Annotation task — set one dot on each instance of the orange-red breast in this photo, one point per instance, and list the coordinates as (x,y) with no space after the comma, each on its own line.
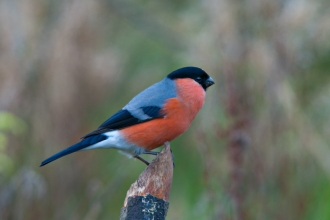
(158,114)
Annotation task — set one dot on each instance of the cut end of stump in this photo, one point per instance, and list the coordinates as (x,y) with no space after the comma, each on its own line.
(156,179)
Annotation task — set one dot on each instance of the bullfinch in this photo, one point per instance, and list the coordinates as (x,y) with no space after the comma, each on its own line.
(158,114)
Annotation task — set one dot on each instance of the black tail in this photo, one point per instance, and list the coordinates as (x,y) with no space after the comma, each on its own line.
(76,147)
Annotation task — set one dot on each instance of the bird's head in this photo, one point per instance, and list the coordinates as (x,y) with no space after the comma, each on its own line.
(195,73)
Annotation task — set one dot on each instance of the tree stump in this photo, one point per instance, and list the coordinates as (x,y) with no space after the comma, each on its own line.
(148,196)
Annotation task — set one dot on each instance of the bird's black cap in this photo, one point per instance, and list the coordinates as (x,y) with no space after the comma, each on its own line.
(194,73)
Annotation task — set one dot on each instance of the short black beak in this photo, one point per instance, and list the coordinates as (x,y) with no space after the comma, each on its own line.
(209,82)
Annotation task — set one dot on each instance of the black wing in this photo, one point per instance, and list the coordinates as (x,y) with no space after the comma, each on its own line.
(123,118)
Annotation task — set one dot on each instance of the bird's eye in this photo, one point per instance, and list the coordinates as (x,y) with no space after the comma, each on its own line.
(198,78)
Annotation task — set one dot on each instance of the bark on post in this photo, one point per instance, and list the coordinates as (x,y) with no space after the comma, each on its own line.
(148,196)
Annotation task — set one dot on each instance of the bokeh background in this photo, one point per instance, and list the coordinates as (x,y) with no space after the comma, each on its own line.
(259,149)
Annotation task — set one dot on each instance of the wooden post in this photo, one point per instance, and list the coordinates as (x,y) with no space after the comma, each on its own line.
(148,196)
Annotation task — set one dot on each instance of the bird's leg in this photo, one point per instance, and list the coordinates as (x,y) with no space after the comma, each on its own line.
(141,159)
(155,154)
(151,153)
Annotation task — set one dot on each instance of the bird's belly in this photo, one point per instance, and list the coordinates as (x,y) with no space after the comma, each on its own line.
(152,134)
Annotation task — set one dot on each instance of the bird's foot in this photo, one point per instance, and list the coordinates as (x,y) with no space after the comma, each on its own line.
(173,158)
(151,153)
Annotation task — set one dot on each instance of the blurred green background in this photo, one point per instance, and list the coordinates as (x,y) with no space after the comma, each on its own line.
(259,149)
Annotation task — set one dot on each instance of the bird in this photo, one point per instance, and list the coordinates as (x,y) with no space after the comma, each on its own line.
(158,114)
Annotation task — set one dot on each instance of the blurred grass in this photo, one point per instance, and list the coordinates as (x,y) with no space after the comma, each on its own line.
(8,124)
(258,149)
